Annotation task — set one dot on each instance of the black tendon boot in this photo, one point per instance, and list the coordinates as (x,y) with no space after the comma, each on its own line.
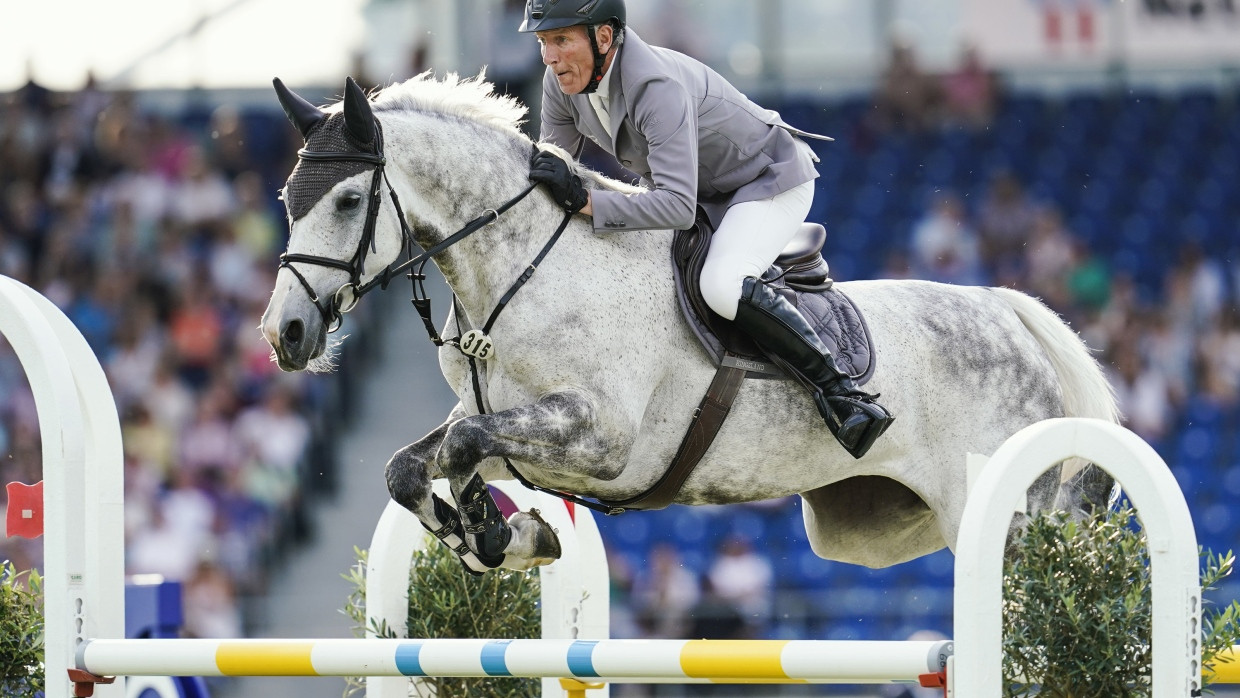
(483,520)
(853,416)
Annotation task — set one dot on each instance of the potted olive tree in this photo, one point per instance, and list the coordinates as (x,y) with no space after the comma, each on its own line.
(1077,608)
(444,601)
(21,631)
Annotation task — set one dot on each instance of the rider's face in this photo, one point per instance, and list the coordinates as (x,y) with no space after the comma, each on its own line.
(567,52)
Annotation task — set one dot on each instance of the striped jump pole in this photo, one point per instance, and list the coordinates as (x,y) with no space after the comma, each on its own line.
(612,661)
(620,661)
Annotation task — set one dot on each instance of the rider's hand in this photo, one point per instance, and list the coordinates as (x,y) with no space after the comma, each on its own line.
(565,187)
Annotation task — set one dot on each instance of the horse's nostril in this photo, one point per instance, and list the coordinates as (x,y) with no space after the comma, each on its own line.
(293,332)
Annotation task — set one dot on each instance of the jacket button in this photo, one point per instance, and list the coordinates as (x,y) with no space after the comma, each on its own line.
(626,163)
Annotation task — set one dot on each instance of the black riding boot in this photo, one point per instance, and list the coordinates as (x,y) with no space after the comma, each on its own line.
(778,327)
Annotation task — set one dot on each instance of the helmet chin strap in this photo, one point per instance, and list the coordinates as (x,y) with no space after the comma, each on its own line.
(596,78)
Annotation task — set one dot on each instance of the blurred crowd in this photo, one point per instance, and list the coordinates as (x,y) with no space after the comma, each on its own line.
(908,98)
(1164,353)
(159,241)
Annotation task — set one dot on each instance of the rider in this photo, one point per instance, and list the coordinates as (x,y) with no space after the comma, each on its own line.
(701,143)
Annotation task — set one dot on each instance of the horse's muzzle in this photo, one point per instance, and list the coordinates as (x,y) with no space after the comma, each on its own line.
(295,342)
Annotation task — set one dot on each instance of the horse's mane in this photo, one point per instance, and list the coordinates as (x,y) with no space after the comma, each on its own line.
(470,98)
(593,179)
(474,98)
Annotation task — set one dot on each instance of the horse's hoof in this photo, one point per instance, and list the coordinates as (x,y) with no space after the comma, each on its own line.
(537,542)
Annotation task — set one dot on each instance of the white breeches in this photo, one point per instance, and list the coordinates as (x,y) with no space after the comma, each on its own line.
(750,237)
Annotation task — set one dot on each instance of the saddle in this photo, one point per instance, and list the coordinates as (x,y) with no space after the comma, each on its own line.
(800,274)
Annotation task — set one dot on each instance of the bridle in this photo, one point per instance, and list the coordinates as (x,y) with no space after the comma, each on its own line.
(347,296)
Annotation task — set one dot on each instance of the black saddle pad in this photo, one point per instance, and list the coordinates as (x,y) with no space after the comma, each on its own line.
(832,314)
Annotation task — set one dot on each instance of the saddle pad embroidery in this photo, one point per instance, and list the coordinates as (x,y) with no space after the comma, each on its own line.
(841,326)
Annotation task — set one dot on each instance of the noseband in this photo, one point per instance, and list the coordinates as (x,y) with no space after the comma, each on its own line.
(347,296)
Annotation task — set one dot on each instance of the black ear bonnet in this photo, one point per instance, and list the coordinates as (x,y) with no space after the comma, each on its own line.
(351,130)
(311,179)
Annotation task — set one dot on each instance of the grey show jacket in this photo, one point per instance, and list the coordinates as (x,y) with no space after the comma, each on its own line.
(687,131)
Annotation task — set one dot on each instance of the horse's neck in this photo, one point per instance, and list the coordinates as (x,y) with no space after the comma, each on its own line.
(454,173)
(456,177)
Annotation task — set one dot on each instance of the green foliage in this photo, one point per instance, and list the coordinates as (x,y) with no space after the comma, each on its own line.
(445,601)
(21,631)
(1077,609)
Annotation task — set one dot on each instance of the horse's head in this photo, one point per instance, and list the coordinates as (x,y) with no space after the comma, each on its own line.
(339,236)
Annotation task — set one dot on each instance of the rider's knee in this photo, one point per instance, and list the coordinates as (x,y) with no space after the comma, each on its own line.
(721,289)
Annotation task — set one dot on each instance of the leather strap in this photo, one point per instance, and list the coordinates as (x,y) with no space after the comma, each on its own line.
(707,419)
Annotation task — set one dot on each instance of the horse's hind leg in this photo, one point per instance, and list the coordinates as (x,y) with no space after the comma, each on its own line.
(409,484)
(558,430)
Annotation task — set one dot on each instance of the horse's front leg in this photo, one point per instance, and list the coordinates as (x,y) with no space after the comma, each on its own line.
(558,431)
(409,473)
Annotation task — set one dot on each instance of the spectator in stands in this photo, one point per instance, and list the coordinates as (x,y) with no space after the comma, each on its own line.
(717,618)
(907,98)
(970,93)
(944,244)
(171,543)
(274,437)
(740,576)
(210,441)
(201,195)
(1220,349)
(1196,288)
(1144,396)
(663,596)
(1005,222)
(1049,257)
(210,603)
(1168,349)
(149,443)
(226,149)
(196,330)
(257,228)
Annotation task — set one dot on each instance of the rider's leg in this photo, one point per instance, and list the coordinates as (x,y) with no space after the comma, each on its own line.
(749,238)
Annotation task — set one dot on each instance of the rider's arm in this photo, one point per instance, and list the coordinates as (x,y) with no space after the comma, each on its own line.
(664,113)
(558,126)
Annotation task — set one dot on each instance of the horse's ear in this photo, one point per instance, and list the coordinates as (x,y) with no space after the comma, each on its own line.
(358,117)
(303,114)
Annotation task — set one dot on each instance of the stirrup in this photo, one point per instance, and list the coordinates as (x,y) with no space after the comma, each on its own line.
(855,422)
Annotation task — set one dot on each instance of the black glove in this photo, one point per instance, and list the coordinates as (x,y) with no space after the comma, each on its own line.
(565,187)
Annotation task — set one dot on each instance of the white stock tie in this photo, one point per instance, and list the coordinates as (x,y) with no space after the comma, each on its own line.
(600,109)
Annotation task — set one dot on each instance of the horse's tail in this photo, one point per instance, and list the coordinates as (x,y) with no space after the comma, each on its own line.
(1086,391)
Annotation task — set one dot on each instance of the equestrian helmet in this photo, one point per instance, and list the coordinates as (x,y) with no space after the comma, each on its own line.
(555,14)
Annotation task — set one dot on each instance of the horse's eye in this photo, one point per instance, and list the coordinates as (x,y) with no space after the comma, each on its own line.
(348,202)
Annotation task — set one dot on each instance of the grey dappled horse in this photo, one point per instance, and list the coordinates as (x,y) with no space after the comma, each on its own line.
(591,375)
